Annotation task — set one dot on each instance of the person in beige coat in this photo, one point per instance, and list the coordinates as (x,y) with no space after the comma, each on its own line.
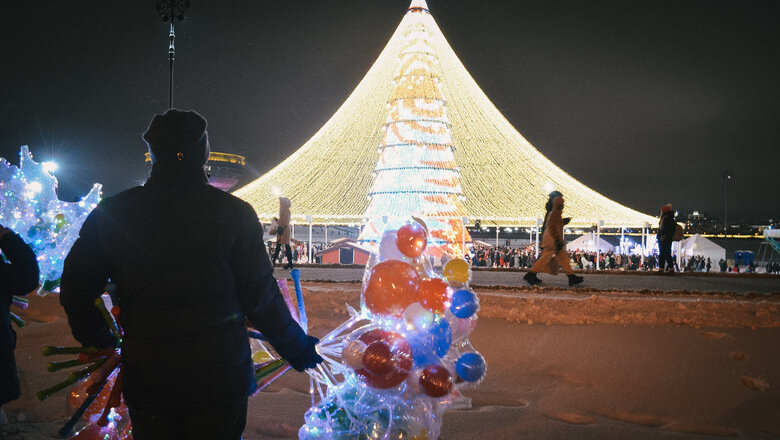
(281,228)
(554,256)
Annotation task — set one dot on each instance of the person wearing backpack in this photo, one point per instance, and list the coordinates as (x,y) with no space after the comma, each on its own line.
(666,230)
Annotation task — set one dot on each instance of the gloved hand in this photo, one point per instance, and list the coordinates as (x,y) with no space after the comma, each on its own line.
(308,358)
(558,246)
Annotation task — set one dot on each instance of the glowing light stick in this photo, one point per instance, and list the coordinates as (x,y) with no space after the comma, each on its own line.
(295,274)
(21,303)
(68,426)
(286,295)
(17,320)
(52,350)
(102,363)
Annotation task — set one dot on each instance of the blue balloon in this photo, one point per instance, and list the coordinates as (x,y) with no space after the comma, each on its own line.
(470,367)
(442,337)
(429,346)
(464,303)
(421,344)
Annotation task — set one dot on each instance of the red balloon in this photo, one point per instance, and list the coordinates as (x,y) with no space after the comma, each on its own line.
(378,359)
(392,286)
(435,381)
(411,239)
(95,432)
(434,295)
(400,359)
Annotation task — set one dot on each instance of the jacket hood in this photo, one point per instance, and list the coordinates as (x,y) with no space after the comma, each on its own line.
(558,203)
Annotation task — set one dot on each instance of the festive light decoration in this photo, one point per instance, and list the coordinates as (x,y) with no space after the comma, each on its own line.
(29,206)
(395,366)
(416,172)
(359,150)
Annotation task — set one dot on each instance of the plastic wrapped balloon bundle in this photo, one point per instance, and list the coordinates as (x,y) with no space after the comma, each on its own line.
(30,207)
(396,365)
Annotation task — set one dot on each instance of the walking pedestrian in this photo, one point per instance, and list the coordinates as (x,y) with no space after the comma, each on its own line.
(666,227)
(283,232)
(554,255)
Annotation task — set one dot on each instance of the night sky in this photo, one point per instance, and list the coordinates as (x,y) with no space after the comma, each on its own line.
(647,102)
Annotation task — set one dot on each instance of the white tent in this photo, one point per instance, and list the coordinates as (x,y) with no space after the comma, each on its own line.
(698,245)
(586,243)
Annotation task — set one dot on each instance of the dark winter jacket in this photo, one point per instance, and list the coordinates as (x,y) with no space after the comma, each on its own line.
(17,277)
(666,227)
(189,265)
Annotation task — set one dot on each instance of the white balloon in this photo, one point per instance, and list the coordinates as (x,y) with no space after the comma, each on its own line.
(353,354)
(413,381)
(417,317)
(388,247)
(461,327)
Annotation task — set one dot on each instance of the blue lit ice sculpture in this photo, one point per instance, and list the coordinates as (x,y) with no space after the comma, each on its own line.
(30,207)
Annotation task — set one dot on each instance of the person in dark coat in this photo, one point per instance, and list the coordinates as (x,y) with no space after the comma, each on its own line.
(665,235)
(189,267)
(18,276)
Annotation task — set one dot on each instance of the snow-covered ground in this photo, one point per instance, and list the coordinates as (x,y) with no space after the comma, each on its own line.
(562,364)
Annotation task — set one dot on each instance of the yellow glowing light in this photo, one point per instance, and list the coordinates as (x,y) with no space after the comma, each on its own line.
(502,175)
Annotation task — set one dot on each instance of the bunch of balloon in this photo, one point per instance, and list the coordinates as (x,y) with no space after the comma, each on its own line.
(402,360)
(30,207)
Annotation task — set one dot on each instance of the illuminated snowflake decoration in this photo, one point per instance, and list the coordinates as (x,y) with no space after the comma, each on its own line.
(30,207)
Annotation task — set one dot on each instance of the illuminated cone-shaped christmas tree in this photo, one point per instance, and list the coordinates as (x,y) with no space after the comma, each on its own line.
(416,174)
(328,178)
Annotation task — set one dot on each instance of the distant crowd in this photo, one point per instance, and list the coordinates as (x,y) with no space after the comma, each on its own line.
(525,257)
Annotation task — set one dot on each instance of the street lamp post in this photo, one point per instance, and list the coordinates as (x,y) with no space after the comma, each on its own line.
(172,10)
(726,179)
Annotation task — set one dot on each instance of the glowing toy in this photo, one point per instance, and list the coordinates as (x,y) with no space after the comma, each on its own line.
(30,207)
(97,399)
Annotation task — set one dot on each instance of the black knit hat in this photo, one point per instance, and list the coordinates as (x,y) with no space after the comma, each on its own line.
(178,135)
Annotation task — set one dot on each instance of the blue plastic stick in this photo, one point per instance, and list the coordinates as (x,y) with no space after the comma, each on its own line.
(255,335)
(295,274)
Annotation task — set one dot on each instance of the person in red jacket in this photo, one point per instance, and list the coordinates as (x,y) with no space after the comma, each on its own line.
(18,276)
